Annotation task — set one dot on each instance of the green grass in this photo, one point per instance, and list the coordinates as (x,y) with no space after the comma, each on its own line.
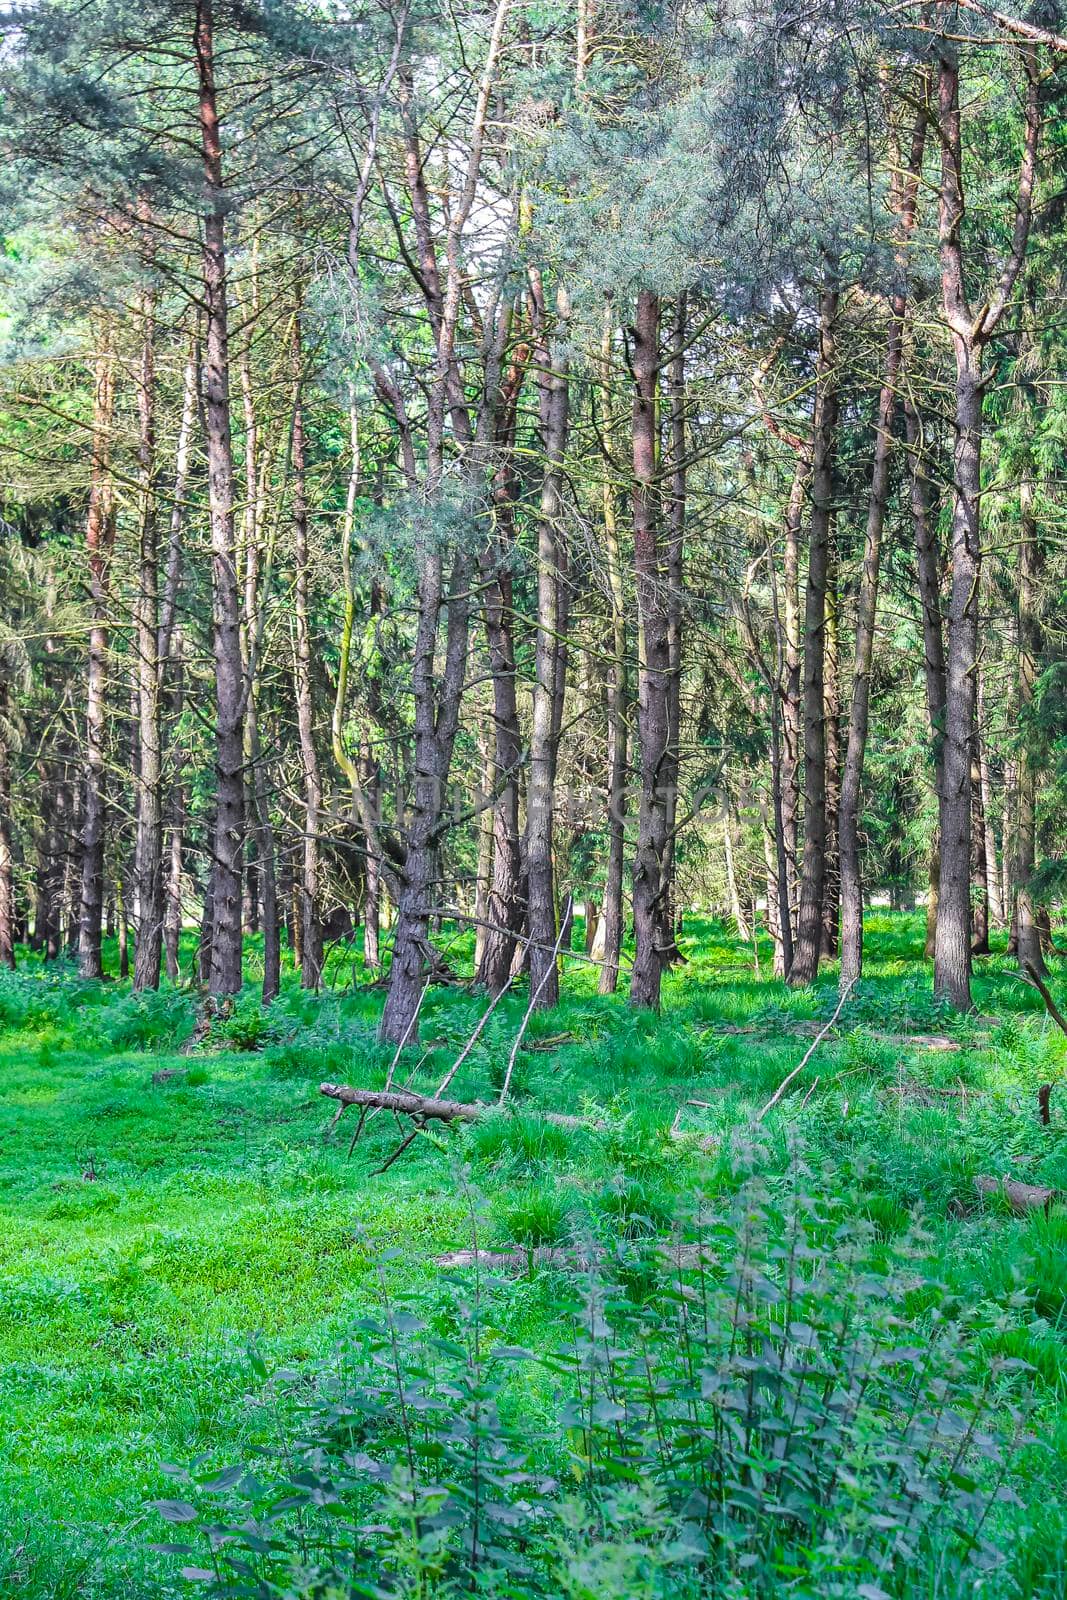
(158,1237)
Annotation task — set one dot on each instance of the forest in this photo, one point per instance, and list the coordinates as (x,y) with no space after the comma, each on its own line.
(533,799)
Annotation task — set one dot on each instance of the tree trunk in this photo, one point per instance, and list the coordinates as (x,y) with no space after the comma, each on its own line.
(979,882)
(675,581)
(99,537)
(544,733)
(813,878)
(737,910)
(437,695)
(831,898)
(791,689)
(66,907)
(123,919)
(207,922)
(970,332)
(928,572)
(172,916)
(268,871)
(906,192)
(148,848)
(611,927)
(654,665)
(1028,931)
(370,778)
(228,848)
(484,868)
(311,946)
(7,882)
(504,903)
(437,698)
(952,950)
(992,871)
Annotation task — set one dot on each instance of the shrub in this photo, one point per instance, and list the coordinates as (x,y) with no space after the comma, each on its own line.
(757,1428)
(149,1021)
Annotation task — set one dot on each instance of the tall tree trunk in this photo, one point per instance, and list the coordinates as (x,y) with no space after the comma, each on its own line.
(437,700)
(7,882)
(1028,931)
(65,907)
(813,878)
(122,915)
(654,664)
(544,733)
(906,195)
(99,537)
(952,950)
(928,571)
(504,907)
(992,871)
(611,922)
(148,847)
(172,915)
(737,910)
(675,582)
(311,945)
(484,868)
(228,848)
(792,712)
(979,882)
(268,871)
(866,620)
(970,333)
(372,874)
(437,696)
(831,899)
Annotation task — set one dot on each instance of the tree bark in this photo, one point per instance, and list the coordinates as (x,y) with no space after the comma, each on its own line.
(970,333)
(148,847)
(928,572)
(654,665)
(99,538)
(7,882)
(979,880)
(831,898)
(992,871)
(1028,932)
(311,944)
(437,696)
(675,590)
(906,192)
(172,915)
(542,910)
(611,922)
(504,905)
(813,878)
(228,848)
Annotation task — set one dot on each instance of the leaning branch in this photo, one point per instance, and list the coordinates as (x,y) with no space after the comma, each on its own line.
(797,1070)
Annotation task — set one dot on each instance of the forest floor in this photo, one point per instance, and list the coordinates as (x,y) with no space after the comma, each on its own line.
(171,1221)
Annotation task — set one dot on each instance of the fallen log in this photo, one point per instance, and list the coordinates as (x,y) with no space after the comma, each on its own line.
(910,1090)
(808,1030)
(522,1259)
(423,1108)
(428,1108)
(1022,1197)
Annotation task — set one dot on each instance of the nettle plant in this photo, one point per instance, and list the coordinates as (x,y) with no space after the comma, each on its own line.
(743,1410)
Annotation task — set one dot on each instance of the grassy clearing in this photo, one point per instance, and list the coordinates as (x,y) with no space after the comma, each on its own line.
(165,1236)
